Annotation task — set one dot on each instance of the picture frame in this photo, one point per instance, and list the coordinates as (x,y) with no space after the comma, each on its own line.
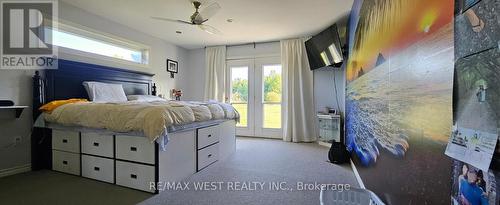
(172,66)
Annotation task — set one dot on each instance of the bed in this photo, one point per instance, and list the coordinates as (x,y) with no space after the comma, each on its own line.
(124,155)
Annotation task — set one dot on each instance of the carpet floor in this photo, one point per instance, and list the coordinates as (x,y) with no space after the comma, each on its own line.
(261,171)
(262,161)
(54,188)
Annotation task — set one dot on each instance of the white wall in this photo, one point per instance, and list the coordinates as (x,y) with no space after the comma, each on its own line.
(324,88)
(16,84)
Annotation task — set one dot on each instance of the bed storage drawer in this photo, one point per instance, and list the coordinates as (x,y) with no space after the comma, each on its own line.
(207,136)
(97,144)
(68,141)
(138,149)
(134,175)
(66,162)
(208,156)
(98,168)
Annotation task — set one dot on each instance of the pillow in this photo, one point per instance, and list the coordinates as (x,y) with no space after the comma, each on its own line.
(89,93)
(144,98)
(105,92)
(217,111)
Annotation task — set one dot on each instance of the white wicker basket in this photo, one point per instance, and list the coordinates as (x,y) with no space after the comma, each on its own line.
(353,196)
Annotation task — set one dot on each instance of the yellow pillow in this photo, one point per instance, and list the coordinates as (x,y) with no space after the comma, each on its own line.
(51,106)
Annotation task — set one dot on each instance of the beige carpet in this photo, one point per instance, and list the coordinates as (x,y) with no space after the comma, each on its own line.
(256,160)
(264,161)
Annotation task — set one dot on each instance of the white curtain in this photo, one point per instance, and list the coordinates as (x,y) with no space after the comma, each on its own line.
(299,122)
(215,78)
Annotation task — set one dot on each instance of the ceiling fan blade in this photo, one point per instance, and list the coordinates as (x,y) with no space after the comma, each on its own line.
(210,29)
(171,20)
(209,11)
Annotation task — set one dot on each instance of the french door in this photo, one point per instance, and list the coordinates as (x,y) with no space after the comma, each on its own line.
(255,90)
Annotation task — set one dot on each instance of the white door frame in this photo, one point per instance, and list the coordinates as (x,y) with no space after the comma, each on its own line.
(255,121)
(249,129)
(260,131)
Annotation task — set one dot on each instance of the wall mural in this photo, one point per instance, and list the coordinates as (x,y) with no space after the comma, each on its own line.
(399,98)
(477,96)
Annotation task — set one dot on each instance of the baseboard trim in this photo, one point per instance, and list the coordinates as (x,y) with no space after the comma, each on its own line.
(356,174)
(325,144)
(262,137)
(15,170)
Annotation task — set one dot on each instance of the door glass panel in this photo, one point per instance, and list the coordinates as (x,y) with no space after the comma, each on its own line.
(239,93)
(243,110)
(272,116)
(271,95)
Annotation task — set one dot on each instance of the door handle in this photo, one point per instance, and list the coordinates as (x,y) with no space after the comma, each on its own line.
(97,168)
(133,176)
(64,141)
(133,149)
(96,144)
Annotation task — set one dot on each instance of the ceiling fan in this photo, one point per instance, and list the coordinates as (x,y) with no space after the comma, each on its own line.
(199,17)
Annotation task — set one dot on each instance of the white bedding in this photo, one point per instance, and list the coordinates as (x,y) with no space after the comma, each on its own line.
(150,118)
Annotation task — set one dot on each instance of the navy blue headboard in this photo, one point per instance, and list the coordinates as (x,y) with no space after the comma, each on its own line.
(66,81)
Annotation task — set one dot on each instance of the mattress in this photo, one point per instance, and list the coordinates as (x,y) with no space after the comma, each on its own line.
(161,140)
(153,120)
(170,130)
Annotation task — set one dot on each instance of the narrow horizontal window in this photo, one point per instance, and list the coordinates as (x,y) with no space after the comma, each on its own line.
(103,46)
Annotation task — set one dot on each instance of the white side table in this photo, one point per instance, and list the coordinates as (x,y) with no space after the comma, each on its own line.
(329,128)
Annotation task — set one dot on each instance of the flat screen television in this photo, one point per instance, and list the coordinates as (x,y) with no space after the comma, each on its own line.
(325,49)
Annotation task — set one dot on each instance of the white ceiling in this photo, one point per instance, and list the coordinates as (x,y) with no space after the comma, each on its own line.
(254,20)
